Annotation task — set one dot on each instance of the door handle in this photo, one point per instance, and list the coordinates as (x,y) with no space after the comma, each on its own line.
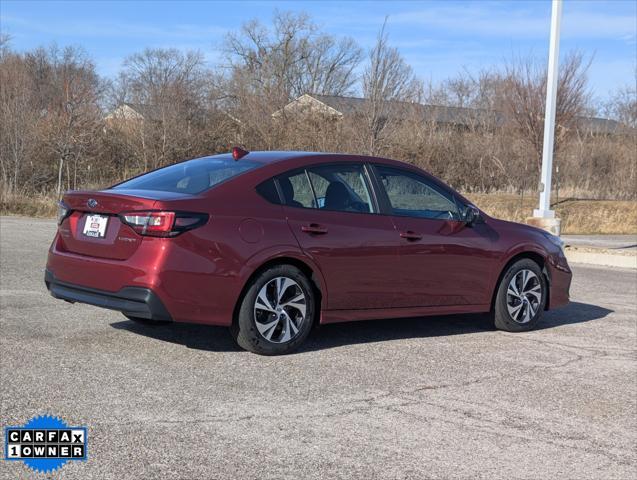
(409,235)
(314,228)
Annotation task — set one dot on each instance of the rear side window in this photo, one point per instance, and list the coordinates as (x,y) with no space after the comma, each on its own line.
(268,191)
(192,176)
(341,188)
(296,190)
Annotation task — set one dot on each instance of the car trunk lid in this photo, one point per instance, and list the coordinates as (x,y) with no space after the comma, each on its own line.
(94,228)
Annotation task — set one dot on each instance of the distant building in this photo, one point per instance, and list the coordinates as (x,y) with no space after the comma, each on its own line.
(133,112)
(600,126)
(339,107)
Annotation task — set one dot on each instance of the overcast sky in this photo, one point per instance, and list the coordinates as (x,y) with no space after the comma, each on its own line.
(438,38)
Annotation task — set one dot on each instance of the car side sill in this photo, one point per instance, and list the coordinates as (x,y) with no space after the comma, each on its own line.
(336,316)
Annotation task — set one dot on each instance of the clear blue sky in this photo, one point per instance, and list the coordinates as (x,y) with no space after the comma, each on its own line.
(438,38)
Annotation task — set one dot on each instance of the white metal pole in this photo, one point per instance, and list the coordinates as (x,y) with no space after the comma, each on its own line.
(544,210)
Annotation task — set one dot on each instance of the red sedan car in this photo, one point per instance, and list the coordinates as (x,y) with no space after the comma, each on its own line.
(268,243)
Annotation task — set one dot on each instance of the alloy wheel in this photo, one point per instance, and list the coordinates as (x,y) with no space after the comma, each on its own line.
(524,296)
(280,310)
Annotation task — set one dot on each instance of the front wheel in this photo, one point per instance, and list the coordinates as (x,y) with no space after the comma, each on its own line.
(521,297)
(276,312)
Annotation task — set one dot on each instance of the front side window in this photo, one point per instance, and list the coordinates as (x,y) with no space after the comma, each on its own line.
(192,176)
(414,196)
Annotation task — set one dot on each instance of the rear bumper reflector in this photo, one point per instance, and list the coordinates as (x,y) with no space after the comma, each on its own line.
(132,301)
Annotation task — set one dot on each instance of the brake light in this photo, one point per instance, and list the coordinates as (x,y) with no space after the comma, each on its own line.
(238,153)
(162,223)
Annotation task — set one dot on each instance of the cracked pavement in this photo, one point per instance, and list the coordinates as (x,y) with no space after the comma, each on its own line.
(443,397)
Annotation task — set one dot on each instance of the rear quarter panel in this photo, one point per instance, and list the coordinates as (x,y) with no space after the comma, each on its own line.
(209,266)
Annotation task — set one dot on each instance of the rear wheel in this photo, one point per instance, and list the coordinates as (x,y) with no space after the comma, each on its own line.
(521,297)
(276,312)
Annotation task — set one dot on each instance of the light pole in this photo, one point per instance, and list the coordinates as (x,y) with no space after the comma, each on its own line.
(543,214)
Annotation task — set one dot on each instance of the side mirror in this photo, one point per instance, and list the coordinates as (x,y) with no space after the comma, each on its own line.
(471,216)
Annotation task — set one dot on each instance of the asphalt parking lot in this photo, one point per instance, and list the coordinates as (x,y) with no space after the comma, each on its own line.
(423,398)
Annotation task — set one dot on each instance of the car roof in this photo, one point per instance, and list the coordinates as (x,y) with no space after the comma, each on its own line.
(276,162)
(280,160)
(269,156)
(276,157)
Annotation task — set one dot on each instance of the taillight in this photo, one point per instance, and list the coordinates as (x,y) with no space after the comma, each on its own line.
(161,223)
(63,212)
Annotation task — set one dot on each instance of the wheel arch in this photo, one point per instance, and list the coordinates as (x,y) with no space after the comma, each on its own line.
(531,255)
(311,272)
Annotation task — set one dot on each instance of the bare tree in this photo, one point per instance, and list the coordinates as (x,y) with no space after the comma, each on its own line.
(17,119)
(170,88)
(71,115)
(622,105)
(525,98)
(53,135)
(155,75)
(49,114)
(5,43)
(292,58)
(268,67)
(461,89)
(387,80)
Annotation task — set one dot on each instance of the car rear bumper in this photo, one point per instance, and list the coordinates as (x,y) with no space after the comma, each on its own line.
(132,301)
(194,285)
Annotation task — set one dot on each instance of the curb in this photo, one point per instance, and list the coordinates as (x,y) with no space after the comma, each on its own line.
(603,259)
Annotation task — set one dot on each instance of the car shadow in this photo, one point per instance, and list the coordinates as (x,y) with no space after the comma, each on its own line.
(211,338)
(339,334)
(198,337)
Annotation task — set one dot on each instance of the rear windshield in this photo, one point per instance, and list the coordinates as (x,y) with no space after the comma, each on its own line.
(192,176)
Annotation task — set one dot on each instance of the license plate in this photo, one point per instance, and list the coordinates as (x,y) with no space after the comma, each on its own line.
(95,226)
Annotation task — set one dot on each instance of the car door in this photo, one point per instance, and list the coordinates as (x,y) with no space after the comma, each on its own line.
(442,261)
(333,213)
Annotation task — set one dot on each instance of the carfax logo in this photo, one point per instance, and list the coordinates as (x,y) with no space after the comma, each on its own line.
(45,443)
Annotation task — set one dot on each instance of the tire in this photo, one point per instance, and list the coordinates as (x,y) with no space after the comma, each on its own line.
(147,321)
(276,313)
(517,306)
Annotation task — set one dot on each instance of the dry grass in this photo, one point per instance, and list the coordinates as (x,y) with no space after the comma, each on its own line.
(578,216)
(37,206)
